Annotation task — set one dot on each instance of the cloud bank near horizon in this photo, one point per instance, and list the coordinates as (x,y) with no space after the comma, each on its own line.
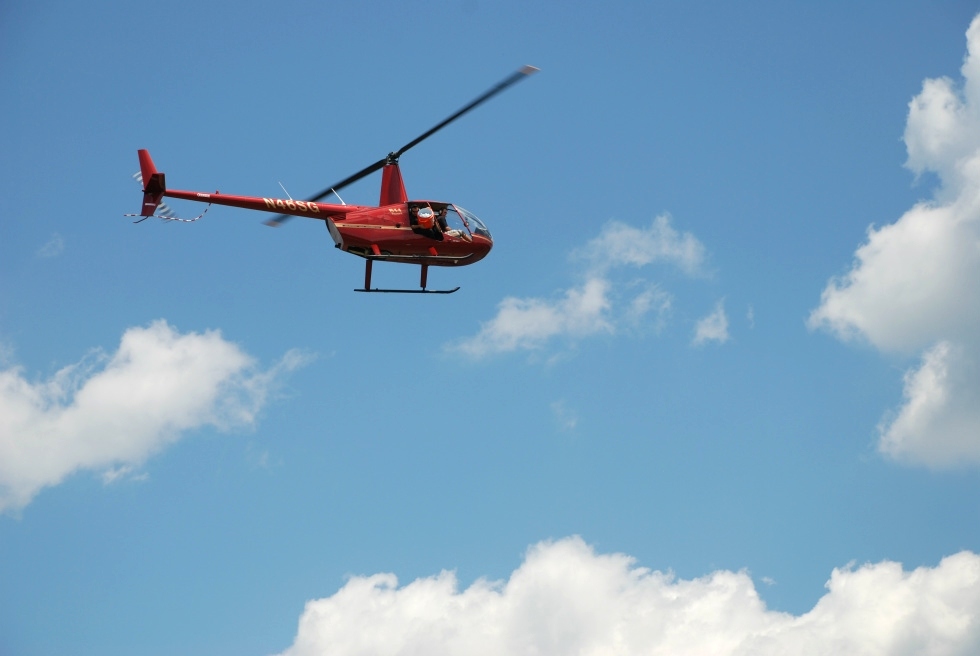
(567,599)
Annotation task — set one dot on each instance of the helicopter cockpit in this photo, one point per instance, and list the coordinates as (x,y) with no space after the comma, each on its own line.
(441,220)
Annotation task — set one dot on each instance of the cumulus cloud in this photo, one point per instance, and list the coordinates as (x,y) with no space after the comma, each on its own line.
(939,422)
(913,284)
(600,304)
(109,413)
(529,323)
(620,244)
(713,327)
(567,599)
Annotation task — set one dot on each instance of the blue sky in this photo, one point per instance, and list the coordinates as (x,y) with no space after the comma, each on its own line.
(727,332)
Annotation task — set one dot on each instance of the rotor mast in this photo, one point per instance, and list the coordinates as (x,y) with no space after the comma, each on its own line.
(392,185)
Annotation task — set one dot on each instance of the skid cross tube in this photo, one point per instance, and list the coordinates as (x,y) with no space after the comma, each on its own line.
(368,262)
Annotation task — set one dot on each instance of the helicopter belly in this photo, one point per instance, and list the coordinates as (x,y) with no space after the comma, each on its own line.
(402,244)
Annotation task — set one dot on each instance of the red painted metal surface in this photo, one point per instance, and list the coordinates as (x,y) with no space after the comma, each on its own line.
(279,205)
(154,184)
(146,164)
(392,186)
(365,229)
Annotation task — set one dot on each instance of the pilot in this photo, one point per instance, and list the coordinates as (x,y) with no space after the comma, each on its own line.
(443,225)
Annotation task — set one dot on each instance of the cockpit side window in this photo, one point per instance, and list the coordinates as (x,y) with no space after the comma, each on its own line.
(453,224)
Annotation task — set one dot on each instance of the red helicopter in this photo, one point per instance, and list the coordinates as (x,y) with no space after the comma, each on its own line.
(423,232)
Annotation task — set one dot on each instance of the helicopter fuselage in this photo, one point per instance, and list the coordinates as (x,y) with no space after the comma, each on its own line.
(390,232)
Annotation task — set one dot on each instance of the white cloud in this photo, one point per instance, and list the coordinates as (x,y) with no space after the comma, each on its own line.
(620,244)
(53,248)
(529,323)
(650,299)
(110,413)
(123,472)
(712,328)
(913,284)
(938,424)
(566,599)
(600,305)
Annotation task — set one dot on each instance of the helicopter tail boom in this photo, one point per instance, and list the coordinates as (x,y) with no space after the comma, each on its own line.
(154,184)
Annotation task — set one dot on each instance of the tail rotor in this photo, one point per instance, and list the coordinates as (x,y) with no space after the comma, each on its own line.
(154,185)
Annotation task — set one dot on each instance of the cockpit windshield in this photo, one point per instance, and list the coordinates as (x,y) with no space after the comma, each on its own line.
(441,220)
(473,224)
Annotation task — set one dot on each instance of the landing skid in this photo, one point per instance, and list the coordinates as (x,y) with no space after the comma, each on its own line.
(368,262)
(409,291)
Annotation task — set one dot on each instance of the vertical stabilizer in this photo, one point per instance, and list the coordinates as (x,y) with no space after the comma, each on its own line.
(146,164)
(154,184)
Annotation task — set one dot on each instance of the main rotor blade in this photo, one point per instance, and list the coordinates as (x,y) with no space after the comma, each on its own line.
(513,79)
(366,171)
(278,220)
(393,157)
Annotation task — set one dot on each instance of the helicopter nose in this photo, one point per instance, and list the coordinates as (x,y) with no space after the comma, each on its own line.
(481,245)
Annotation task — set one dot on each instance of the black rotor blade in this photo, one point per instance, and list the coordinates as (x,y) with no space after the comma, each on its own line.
(513,79)
(366,171)
(393,157)
(279,219)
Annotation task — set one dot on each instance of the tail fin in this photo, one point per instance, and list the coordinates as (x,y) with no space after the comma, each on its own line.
(154,184)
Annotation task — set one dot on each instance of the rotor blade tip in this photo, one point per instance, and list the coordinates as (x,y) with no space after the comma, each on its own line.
(272,223)
(528,69)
